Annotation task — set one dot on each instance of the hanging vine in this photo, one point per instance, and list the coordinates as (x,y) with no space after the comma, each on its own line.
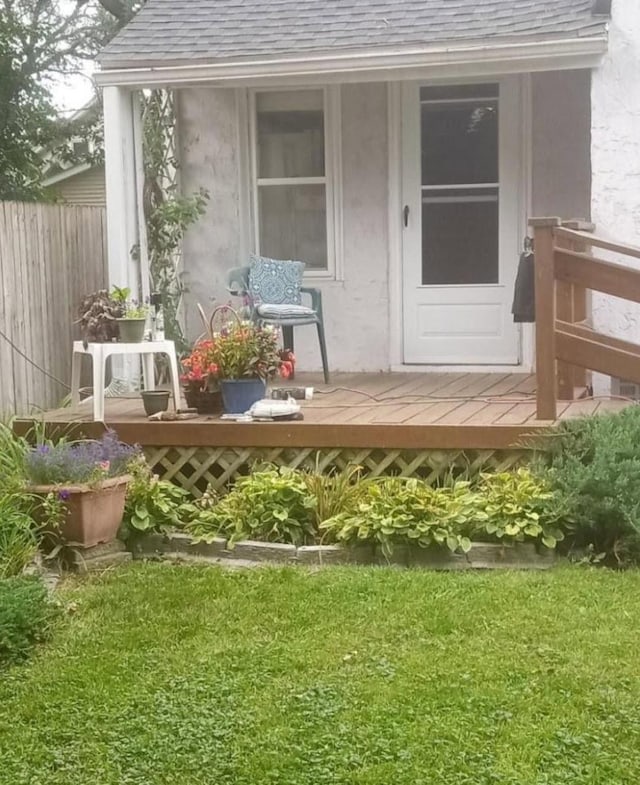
(168,213)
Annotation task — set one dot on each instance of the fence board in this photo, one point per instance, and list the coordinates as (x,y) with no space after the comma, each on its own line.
(50,256)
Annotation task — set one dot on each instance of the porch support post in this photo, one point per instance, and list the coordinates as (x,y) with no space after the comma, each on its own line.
(122,216)
(120,176)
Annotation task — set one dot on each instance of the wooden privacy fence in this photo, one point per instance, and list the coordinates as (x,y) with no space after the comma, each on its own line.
(566,344)
(50,256)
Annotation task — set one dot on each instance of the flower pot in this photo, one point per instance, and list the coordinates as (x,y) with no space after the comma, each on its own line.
(239,395)
(94,512)
(131,330)
(155,401)
(204,401)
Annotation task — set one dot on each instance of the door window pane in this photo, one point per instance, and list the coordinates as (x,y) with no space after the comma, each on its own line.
(460,238)
(459,141)
(290,131)
(293,223)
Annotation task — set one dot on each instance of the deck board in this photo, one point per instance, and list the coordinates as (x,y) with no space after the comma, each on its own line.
(404,410)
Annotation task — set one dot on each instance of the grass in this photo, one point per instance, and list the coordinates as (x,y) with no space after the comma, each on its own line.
(186,676)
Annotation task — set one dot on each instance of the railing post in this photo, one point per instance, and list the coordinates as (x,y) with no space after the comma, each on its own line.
(581,298)
(571,306)
(546,383)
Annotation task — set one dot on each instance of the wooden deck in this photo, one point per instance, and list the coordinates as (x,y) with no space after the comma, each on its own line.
(409,411)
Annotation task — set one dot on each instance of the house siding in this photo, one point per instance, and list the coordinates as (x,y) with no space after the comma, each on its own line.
(356,308)
(560,141)
(208,141)
(86,188)
(615,154)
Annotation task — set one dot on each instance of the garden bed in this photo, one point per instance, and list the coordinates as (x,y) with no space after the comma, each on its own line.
(481,556)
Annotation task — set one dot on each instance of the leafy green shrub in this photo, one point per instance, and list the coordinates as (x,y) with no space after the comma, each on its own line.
(594,466)
(514,506)
(26,617)
(153,504)
(273,505)
(18,538)
(18,534)
(393,511)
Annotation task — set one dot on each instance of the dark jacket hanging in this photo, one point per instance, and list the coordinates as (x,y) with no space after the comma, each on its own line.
(524,296)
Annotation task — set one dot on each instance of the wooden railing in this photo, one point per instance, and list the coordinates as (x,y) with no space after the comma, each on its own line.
(566,271)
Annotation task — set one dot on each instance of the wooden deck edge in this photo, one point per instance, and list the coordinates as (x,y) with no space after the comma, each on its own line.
(296,434)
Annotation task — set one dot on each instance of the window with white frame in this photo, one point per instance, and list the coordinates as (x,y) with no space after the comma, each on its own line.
(293,178)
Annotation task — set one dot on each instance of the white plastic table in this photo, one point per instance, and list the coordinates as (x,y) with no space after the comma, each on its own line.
(99,353)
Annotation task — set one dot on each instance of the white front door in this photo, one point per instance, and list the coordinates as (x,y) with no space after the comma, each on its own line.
(463,219)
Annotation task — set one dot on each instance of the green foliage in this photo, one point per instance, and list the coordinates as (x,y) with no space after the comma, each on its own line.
(18,537)
(394,511)
(289,505)
(514,506)
(26,615)
(594,466)
(245,350)
(152,504)
(273,505)
(168,212)
(333,492)
(40,40)
(18,533)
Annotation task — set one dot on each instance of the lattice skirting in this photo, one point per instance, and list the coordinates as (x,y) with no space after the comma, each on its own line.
(195,468)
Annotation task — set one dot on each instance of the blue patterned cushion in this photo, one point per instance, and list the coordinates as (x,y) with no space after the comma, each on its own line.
(275,282)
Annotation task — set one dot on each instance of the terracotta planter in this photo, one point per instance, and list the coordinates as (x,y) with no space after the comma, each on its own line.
(204,401)
(94,513)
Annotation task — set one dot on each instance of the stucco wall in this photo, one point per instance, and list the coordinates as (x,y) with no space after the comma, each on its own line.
(615,151)
(561,137)
(209,159)
(356,308)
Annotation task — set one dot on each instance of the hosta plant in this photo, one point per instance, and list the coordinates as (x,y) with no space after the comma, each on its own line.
(394,511)
(271,504)
(153,504)
(515,506)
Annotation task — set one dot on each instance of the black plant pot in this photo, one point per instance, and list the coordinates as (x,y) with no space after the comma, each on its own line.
(155,401)
(204,401)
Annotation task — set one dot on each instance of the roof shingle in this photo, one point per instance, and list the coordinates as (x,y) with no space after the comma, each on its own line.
(187,31)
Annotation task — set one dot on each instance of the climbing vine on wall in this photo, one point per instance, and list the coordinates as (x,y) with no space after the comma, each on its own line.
(168,213)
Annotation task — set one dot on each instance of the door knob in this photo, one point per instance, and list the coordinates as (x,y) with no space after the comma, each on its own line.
(406,212)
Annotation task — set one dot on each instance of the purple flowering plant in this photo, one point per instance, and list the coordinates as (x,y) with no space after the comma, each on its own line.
(83,462)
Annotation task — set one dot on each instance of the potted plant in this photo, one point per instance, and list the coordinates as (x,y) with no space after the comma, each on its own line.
(155,401)
(132,316)
(89,481)
(246,356)
(200,379)
(98,317)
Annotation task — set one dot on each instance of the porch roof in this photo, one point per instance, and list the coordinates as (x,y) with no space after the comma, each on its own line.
(187,32)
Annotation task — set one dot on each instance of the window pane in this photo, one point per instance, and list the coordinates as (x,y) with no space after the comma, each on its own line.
(290,128)
(293,223)
(460,142)
(460,237)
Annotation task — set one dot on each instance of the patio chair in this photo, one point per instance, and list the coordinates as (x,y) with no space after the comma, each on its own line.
(272,292)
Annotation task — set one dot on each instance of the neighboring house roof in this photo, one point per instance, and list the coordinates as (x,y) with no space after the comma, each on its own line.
(189,31)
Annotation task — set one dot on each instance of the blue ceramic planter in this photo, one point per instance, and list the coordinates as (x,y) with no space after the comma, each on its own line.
(239,395)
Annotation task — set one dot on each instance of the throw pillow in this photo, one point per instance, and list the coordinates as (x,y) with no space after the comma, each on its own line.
(275,282)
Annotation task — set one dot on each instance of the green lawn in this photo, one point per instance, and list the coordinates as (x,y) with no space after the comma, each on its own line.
(185,675)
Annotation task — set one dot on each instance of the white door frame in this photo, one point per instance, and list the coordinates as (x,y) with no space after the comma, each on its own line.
(396,234)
